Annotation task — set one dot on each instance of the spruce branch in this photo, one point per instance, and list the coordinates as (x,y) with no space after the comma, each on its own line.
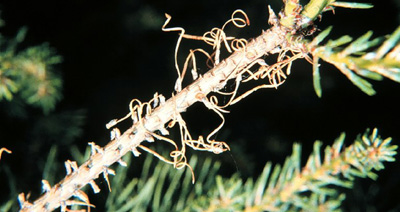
(291,187)
(160,187)
(356,60)
(29,73)
(152,119)
(102,158)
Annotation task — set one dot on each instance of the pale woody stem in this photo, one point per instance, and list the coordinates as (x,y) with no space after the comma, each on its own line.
(213,80)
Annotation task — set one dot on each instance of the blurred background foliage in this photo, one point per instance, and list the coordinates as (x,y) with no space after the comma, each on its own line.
(27,74)
(113,51)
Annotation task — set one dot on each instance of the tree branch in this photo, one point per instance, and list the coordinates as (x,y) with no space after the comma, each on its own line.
(102,158)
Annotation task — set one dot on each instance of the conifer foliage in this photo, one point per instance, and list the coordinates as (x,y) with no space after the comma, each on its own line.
(29,73)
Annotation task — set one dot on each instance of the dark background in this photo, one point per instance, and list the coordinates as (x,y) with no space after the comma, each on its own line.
(115,50)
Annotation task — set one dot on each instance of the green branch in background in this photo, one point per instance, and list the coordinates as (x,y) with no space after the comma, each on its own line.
(279,188)
(158,188)
(357,59)
(29,73)
(290,187)
(161,188)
